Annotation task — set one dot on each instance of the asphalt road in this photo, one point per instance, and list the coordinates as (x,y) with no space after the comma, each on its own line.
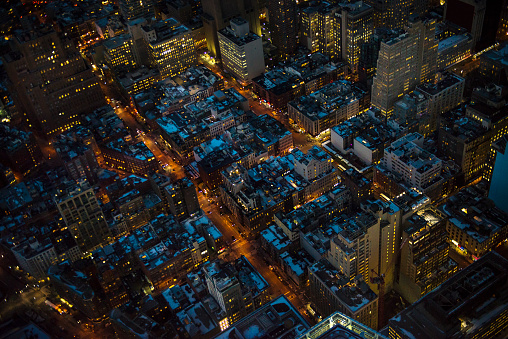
(225,222)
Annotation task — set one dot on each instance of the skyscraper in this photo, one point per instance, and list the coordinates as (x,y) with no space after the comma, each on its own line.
(182,198)
(337,30)
(241,50)
(84,217)
(218,13)
(319,29)
(170,46)
(134,9)
(53,84)
(404,62)
(396,72)
(395,13)
(424,31)
(356,26)
(283,16)
(468,14)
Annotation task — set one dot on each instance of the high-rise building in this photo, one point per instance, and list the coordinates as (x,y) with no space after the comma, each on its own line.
(338,325)
(119,53)
(404,62)
(417,167)
(356,25)
(320,29)
(53,84)
(134,9)
(331,291)
(396,72)
(369,51)
(236,286)
(218,13)
(424,31)
(502,29)
(84,217)
(424,260)
(283,18)
(444,95)
(395,13)
(469,14)
(19,150)
(368,241)
(471,304)
(241,51)
(170,46)
(182,198)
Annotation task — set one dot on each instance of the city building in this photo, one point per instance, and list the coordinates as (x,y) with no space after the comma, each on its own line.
(194,84)
(72,283)
(338,325)
(406,157)
(170,46)
(332,291)
(369,51)
(201,121)
(368,242)
(443,95)
(475,225)
(327,107)
(34,257)
(182,198)
(396,71)
(254,196)
(469,14)
(241,51)
(275,242)
(304,75)
(53,83)
(283,23)
(394,13)
(320,30)
(493,64)
(119,53)
(247,144)
(471,304)
(20,152)
(356,25)
(404,62)
(359,186)
(424,30)
(411,113)
(237,287)
(465,141)
(365,136)
(137,81)
(218,13)
(83,216)
(135,9)
(171,251)
(129,157)
(78,158)
(278,317)
(453,50)
(424,260)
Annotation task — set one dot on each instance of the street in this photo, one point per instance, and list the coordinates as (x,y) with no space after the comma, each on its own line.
(220,217)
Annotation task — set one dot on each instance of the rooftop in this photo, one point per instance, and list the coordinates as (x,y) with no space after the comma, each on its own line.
(461,305)
(354,294)
(328,99)
(277,319)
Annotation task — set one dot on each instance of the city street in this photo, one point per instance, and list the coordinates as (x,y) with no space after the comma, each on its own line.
(251,250)
(279,283)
